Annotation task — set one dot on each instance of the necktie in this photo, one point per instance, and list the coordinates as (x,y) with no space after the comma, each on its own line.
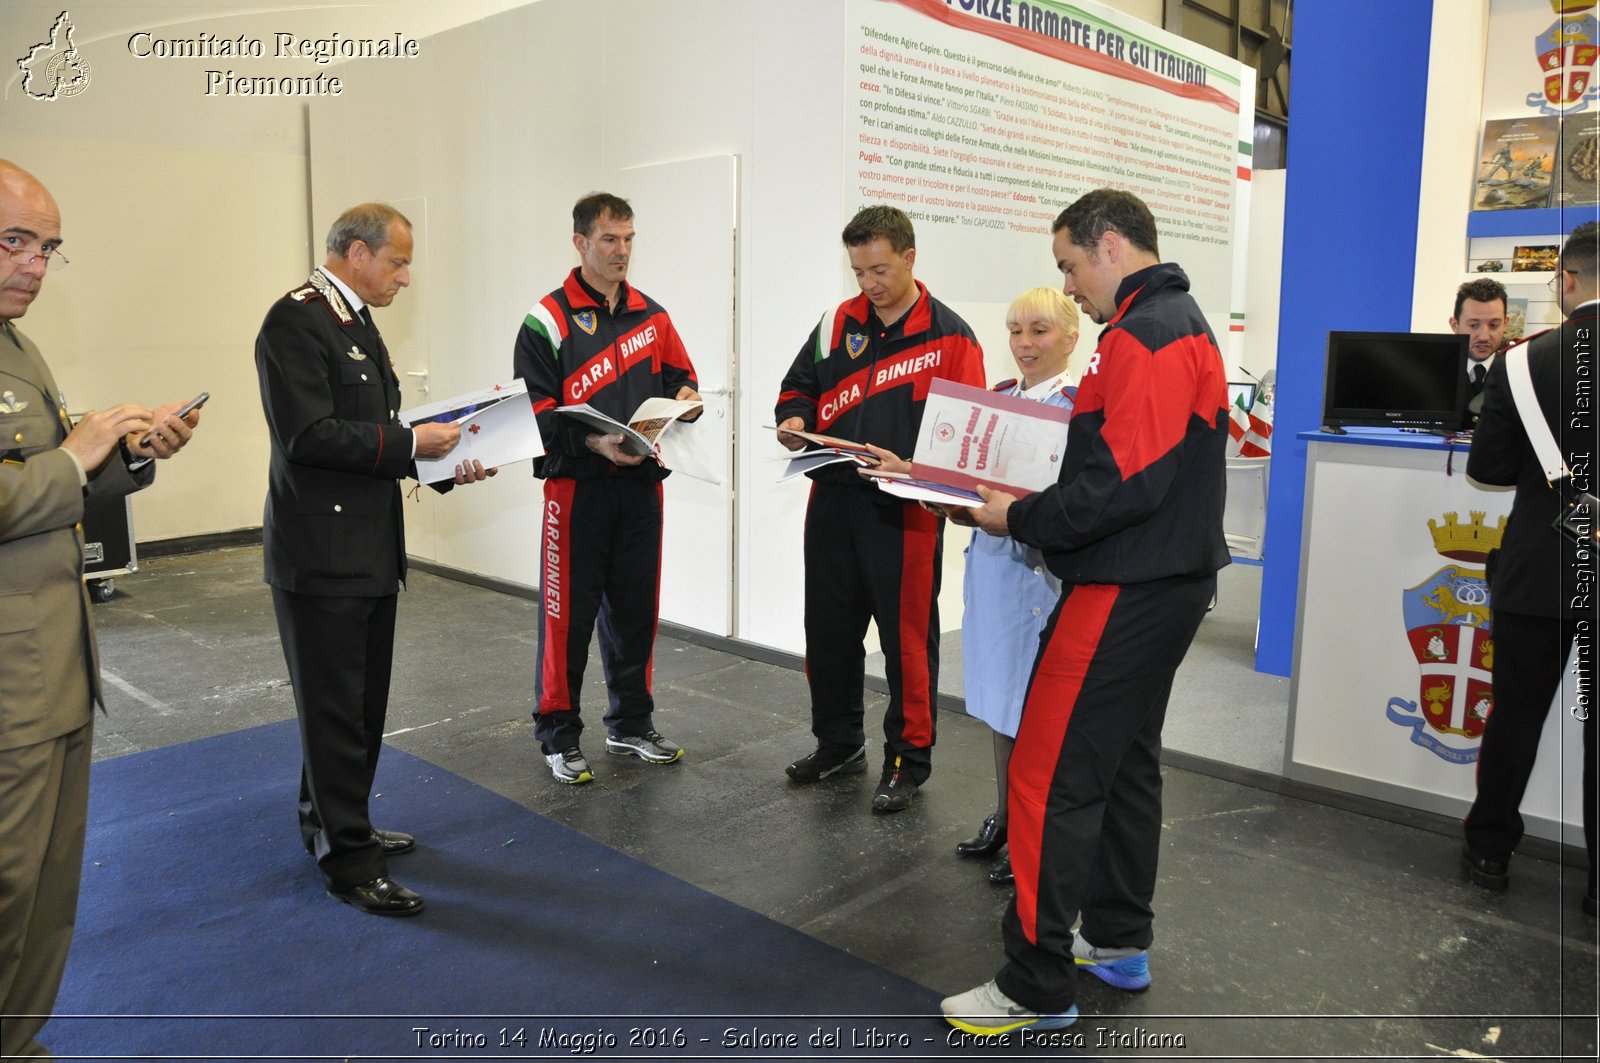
(1478,373)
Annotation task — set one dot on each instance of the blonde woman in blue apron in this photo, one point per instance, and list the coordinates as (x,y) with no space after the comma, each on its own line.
(1007,591)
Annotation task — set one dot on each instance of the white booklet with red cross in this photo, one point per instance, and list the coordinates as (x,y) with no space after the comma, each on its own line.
(497,428)
(969,436)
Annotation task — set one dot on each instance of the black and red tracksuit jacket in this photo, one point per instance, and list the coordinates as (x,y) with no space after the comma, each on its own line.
(1141,488)
(858,380)
(572,349)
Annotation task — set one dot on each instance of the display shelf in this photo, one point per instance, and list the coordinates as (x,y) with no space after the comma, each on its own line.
(1544,220)
(1541,277)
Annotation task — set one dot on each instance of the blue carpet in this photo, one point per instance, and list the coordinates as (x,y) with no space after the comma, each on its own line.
(203,932)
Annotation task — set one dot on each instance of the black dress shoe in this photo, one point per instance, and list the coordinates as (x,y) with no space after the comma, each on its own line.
(381,896)
(394,842)
(990,837)
(1001,873)
(1490,874)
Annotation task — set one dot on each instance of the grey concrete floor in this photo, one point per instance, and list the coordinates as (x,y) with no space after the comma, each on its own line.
(1286,928)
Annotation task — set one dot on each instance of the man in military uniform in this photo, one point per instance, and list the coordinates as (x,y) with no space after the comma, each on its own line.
(333,539)
(49,668)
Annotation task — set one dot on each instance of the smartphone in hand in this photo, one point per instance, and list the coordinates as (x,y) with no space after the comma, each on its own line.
(182,412)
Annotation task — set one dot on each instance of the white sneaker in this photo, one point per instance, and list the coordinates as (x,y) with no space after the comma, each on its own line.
(986,1011)
(568,766)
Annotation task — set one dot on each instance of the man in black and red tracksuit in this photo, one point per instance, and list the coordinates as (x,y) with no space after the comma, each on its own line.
(600,341)
(1133,528)
(863,374)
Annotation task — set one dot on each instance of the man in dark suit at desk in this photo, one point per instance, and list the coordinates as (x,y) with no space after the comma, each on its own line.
(1539,580)
(1481,317)
(333,538)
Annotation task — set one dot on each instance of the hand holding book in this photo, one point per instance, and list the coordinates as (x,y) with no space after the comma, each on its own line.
(991,516)
(787,433)
(888,461)
(610,447)
(637,438)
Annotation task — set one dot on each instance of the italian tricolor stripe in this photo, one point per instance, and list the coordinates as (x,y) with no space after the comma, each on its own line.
(549,324)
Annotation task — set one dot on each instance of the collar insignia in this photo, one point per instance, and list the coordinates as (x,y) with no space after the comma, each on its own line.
(586,320)
(855,343)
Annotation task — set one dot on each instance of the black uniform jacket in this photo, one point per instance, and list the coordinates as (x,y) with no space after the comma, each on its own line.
(1536,570)
(332,524)
(1141,488)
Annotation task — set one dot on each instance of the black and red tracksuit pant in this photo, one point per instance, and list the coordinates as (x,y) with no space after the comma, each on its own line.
(866,561)
(1084,787)
(600,560)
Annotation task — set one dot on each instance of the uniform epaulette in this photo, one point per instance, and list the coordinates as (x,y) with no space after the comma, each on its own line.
(1521,340)
(1005,385)
(318,286)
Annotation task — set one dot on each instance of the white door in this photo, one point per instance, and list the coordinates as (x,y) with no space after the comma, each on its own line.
(685,215)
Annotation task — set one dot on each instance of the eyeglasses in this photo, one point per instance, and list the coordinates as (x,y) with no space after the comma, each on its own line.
(1554,283)
(53,258)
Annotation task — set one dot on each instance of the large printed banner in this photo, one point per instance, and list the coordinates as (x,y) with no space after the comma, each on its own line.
(981,119)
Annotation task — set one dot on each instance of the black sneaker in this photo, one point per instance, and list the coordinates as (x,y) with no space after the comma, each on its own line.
(895,791)
(828,760)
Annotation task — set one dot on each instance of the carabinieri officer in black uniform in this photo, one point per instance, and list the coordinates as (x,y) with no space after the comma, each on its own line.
(333,539)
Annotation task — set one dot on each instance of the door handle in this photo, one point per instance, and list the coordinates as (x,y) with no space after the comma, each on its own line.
(422,385)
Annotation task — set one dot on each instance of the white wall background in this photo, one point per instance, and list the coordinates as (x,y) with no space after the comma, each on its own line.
(1449,157)
(186,216)
(510,144)
(1263,272)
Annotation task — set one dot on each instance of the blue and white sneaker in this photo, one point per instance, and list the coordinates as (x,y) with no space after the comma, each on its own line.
(1122,968)
(987,1012)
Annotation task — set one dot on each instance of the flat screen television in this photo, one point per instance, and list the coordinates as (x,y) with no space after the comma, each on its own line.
(1396,380)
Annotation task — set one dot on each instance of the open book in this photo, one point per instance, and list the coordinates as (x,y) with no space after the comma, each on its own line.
(655,431)
(915,489)
(825,450)
(643,429)
(969,436)
(497,428)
